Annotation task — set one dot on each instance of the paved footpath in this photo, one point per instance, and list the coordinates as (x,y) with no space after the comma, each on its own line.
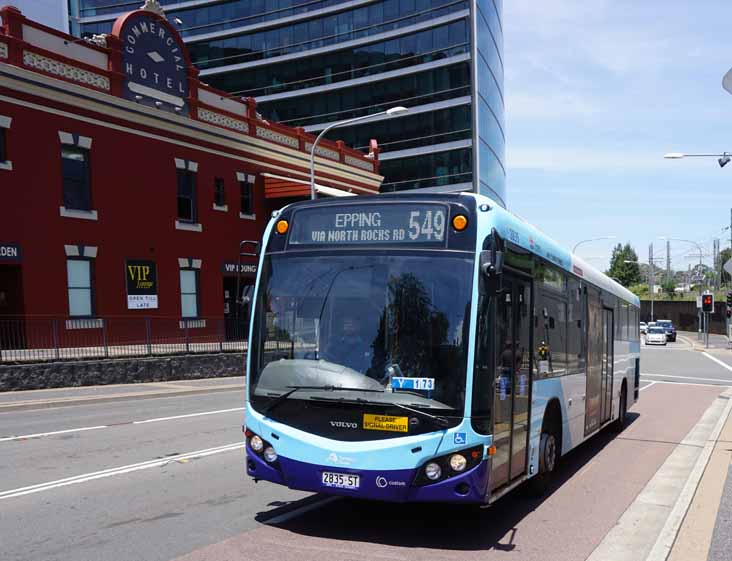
(707,529)
(62,397)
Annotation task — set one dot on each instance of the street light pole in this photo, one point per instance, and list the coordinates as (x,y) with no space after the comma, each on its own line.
(574,249)
(389,112)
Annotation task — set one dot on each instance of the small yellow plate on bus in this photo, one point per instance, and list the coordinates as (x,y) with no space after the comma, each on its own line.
(385,423)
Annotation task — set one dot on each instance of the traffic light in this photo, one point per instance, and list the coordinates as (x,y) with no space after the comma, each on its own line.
(707,303)
(729,299)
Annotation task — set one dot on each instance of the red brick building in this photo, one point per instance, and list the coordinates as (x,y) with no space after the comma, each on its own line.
(127,184)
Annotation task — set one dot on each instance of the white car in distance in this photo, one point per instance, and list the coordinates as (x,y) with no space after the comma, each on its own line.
(643,327)
(655,336)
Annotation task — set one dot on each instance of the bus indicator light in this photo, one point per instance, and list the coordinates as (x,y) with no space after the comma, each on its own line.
(492,450)
(460,222)
(282,227)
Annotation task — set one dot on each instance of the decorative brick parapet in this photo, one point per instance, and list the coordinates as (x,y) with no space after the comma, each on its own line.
(222,120)
(66,71)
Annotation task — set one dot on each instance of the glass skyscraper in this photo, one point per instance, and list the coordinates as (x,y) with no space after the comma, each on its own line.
(312,62)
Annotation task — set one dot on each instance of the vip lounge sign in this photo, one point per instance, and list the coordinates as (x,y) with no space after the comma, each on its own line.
(153,61)
(142,285)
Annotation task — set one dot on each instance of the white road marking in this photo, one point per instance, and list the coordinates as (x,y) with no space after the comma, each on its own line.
(715,359)
(721,386)
(729,380)
(11,493)
(157,420)
(82,429)
(40,434)
(648,386)
(302,510)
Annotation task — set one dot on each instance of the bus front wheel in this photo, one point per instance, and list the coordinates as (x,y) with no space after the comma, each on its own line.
(549,452)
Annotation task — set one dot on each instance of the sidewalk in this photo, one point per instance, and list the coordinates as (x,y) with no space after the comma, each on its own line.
(706,532)
(716,342)
(62,397)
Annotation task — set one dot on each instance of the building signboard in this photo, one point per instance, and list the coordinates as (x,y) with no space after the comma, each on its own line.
(153,61)
(142,284)
(242,268)
(9,252)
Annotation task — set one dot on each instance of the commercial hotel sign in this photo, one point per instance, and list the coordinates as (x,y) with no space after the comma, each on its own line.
(153,61)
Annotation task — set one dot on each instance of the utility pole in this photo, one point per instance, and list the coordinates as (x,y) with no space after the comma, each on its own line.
(668,261)
(650,275)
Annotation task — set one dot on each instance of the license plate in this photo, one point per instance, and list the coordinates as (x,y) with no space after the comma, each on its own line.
(340,480)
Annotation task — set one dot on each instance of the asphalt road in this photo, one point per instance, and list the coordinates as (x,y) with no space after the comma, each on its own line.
(159,479)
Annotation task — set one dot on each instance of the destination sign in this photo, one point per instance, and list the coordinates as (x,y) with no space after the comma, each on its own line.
(370,224)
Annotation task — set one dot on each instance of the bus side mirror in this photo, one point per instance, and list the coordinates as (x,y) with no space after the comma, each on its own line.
(491,262)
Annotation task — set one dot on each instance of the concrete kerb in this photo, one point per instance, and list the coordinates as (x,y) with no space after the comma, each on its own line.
(647,530)
(667,537)
(90,400)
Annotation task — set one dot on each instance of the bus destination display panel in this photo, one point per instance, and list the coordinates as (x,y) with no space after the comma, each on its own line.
(370,225)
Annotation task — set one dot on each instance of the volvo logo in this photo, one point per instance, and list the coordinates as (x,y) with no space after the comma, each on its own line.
(343,425)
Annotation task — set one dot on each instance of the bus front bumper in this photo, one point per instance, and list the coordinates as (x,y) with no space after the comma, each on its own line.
(386,485)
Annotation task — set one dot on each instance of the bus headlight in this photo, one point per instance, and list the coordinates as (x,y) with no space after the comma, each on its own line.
(458,462)
(269,454)
(256,443)
(433,471)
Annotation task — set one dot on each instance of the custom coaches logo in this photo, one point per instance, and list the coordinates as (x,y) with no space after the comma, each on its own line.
(154,63)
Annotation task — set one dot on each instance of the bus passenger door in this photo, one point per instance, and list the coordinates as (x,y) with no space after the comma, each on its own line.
(595,351)
(608,359)
(512,381)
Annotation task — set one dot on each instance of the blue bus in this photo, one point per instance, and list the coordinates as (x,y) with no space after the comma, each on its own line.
(428,347)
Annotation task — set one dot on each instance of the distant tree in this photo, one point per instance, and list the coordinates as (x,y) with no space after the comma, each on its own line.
(725,255)
(669,287)
(640,290)
(624,265)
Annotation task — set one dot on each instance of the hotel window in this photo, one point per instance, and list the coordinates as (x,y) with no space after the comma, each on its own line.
(189,293)
(219,192)
(80,286)
(76,184)
(187,195)
(245,190)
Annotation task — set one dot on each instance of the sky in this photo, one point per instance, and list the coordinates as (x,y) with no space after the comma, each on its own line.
(596,93)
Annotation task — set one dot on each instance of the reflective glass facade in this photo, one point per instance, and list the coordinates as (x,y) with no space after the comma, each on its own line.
(313,62)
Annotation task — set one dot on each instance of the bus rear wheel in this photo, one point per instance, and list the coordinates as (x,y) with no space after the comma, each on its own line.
(619,423)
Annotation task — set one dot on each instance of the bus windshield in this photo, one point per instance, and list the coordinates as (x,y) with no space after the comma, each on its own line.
(376,328)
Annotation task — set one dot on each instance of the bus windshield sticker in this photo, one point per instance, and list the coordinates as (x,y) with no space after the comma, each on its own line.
(372,224)
(385,423)
(399,383)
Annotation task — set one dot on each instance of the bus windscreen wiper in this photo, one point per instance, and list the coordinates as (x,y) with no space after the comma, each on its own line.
(438,420)
(292,389)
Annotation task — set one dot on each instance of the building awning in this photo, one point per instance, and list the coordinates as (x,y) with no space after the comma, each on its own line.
(279,186)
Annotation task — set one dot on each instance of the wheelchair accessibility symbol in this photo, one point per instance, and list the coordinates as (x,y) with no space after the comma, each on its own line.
(460,438)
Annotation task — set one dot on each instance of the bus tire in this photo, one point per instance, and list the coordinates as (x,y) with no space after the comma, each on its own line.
(619,423)
(550,450)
